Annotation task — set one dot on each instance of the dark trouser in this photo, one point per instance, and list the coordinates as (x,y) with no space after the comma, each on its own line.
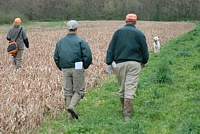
(17,59)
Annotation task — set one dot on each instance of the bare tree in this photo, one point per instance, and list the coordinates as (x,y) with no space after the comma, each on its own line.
(101,9)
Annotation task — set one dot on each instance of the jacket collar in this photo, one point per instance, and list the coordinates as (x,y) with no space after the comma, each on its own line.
(130,25)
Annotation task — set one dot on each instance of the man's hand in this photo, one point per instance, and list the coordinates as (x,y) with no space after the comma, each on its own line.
(142,65)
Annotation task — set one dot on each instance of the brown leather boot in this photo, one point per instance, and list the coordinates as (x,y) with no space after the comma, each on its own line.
(128,105)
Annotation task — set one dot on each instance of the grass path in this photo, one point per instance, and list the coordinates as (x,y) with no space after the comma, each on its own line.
(167,102)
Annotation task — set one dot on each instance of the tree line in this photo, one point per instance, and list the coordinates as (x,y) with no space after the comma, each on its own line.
(53,10)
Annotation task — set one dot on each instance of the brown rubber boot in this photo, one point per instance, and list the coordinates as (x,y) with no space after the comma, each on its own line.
(67,101)
(128,105)
(72,107)
(122,103)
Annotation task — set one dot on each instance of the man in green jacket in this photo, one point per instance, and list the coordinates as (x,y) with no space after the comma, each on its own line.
(128,52)
(73,55)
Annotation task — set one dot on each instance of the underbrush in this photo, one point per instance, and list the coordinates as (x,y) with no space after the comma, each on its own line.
(167,101)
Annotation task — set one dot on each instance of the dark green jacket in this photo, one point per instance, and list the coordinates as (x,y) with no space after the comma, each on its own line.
(127,44)
(71,49)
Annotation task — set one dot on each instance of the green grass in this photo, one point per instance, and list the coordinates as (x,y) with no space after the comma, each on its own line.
(57,23)
(167,101)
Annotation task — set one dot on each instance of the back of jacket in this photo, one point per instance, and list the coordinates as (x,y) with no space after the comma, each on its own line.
(128,44)
(71,49)
(13,33)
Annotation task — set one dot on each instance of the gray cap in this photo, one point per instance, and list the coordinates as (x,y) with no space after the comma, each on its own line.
(72,24)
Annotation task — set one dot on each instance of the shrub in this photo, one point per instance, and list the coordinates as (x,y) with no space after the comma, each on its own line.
(7,18)
(196,66)
(183,54)
(163,72)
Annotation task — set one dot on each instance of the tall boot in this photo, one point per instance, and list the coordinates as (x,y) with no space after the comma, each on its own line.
(128,105)
(122,103)
(67,102)
(72,107)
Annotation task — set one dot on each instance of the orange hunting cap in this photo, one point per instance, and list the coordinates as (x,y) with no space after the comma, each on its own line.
(18,20)
(131,17)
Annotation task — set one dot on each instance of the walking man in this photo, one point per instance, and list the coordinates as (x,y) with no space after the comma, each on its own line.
(73,55)
(129,50)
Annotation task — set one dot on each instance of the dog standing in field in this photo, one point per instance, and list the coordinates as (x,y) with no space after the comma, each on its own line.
(156,45)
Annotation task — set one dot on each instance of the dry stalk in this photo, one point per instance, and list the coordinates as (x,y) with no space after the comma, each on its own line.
(35,90)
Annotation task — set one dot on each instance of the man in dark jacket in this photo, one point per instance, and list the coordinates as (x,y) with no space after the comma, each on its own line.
(128,51)
(72,55)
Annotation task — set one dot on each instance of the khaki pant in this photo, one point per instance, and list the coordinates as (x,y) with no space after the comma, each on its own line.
(17,59)
(127,74)
(74,81)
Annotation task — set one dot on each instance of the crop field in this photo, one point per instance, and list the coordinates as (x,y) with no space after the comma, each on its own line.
(36,89)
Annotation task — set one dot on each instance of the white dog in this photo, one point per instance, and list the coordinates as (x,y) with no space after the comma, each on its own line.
(156,45)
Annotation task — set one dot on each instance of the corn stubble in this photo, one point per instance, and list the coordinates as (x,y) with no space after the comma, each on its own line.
(36,89)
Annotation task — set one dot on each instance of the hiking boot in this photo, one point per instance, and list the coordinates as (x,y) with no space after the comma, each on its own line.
(72,107)
(67,101)
(128,105)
